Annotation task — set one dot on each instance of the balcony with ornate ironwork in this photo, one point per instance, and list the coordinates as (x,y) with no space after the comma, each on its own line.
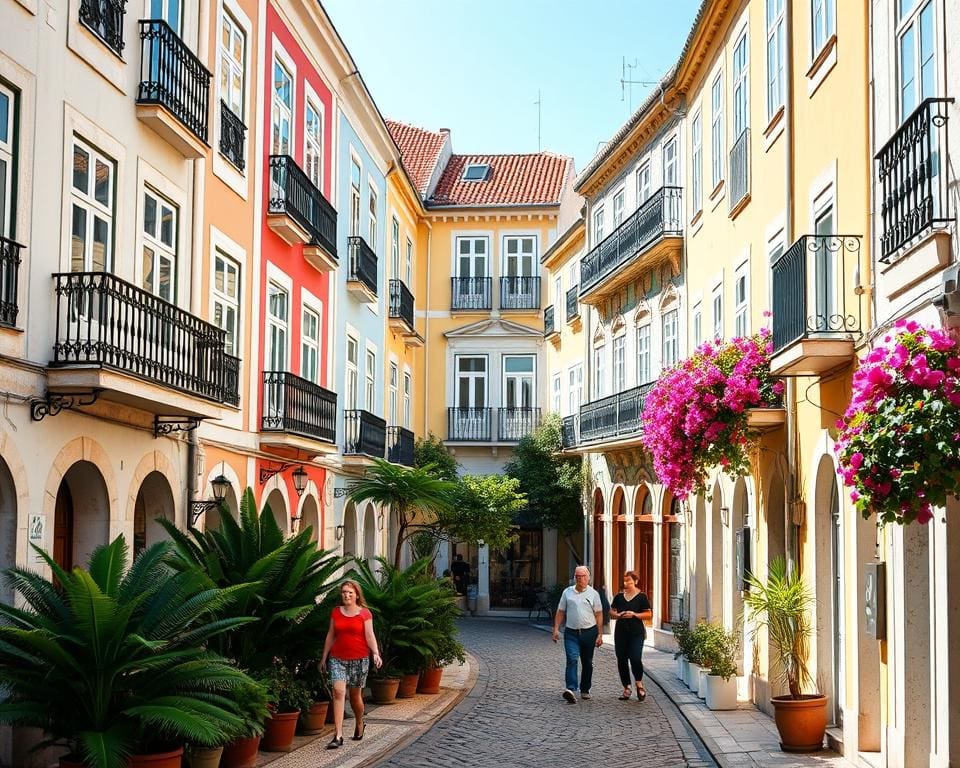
(232,137)
(550,330)
(740,172)
(469,425)
(401,313)
(614,421)
(362,275)
(105,19)
(297,414)
(515,423)
(117,341)
(299,213)
(400,446)
(649,236)
(520,293)
(573,305)
(568,433)
(913,168)
(174,93)
(10,259)
(471,294)
(817,306)
(364,434)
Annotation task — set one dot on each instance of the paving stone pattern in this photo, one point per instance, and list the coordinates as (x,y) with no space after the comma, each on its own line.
(514,716)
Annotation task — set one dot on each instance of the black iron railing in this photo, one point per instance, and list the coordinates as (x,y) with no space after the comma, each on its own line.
(549,328)
(514,423)
(9,280)
(568,432)
(171,76)
(363,263)
(400,446)
(659,216)
(913,168)
(740,169)
(573,303)
(813,290)
(364,434)
(232,137)
(613,417)
(105,19)
(295,405)
(519,292)
(103,320)
(471,293)
(469,424)
(401,302)
(293,194)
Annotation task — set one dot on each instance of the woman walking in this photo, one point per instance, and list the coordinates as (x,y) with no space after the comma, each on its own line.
(630,608)
(349,643)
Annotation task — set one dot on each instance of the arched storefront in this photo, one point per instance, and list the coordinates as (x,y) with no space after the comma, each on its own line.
(81,515)
(8,528)
(643,539)
(310,518)
(369,534)
(597,570)
(350,530)
(278,508)
(154,501)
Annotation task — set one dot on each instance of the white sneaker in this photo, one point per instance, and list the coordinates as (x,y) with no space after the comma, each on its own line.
(585,695)
(569,696)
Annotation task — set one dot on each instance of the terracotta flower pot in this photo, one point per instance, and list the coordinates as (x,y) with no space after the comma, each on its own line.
(157,760)
(280,728)
(408,686)
(313,719)
(801,722)
(384,689)
(241,753)
(199,757)
(430,680)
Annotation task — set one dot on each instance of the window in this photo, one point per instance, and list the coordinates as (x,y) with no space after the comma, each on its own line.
(670,172)
(159,257)
(574,275)
(671,341)
(278,317)
(717,301)
(557,291)
(372,240)
(598,225)
(226,299)
(575,393)
(741,93)
(825,267)
(355,174)
(620,363)
(643,184)
(471,257)
(394,247)
(310,346)
(7,111)
(407,393)
(92,210)
(408,270)
(520,256)
(775,53)
(471,382)
(741,309)
(394,383)
(518,380)
(352,374)
(644,361)
(313,144)
(599,372)
(696,162)
(618,204)
(716,131)
(475,172)
(370,388)
(823,23)
(916,54)
(232,48)
(282,115)
(697,325)
(557,393)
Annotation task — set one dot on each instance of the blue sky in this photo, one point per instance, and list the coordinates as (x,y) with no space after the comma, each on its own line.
(475,66)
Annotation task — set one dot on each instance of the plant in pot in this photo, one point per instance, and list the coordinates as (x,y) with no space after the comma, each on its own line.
(110,661)
(288,697)
(317,681)
(721,681)
(446,647)
(703,645)
(781,605)
(694,654)
(238,749)
(681,633)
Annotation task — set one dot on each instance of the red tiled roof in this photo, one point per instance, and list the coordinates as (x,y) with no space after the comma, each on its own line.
(535,179)
(419,149)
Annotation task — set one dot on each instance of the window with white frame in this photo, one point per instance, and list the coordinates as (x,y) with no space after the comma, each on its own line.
(232,48)
(407,395)
(282,112)
(518,381)
(717,128)
(620,363)
(370,388)
(372,239)
(226,299)
(355,177)
(696,162)
(644,359)
(599,371)
(159,256)
(741,88)
(574,274)
(472,257)
(313,144)
(352,384)
(741,301)
(394,247)
(671,173)
(775,56)
(557,401)
(619,202)
(575,392)
(310,346)
(697,322)
(823,23)
(394,387)
(557,292)
(671,338)
(278,322)
(598,225)
(408,267)
(520,256)
(7,112)
(717,303)
(825,266)
(916,54)
(471,381)
(92,209)
(643,184)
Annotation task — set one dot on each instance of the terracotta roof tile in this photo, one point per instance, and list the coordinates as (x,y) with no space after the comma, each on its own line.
(419,150)
(534,179)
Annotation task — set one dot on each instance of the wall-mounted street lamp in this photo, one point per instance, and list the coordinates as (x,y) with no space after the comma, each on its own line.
(338,533)
(725,516)
(300,476)
(380,521)
(220,484)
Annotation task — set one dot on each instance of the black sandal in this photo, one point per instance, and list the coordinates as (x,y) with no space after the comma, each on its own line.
(641,693)
(625,695)
(335,743)
(359,730)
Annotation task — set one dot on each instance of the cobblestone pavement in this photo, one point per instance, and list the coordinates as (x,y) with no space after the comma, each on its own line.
(514,715)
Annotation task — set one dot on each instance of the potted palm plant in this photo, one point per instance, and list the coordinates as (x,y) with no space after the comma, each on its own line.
(782,606)
(240,747)
(288,697)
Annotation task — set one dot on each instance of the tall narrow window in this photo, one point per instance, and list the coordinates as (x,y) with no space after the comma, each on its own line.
(278,320)
(520,256)
(671,342)
(671,174)
(644,361)
(643,184)
(598,225)
(159,257)
(226,299)
(352,384)
(394,247)
(354,197)
(822,22)
(92,210)
(741,94)
(282,113)
(717,147)
(394,384)
(696,162)
(775,56)
(557,292)
(599,372)
(370,388)
(407,394)
(619,363)
(718,312)
(741,306)
(471,382)
(313,144)
(7,112)
(372,229)
(518,381)
(697,325)
(825,278)
(232,49)
(916,54)
(618,206)
(557,400)
(310,346)
(575,393)
(408,266)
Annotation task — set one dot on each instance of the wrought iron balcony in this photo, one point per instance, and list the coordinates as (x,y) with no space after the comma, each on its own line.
(364,434)
(106,322)
(520,292)
(471,293)
(295,405)
(363,265)
(549,328)
(816,316)
(172,77)
(616,417)
(913,169)
(400,446)
(232,137)
(514,423)
(9,280)
(573,303)
(105,19)
(294,196)
(740,169)
(568,432)
(656,218)
(469,424)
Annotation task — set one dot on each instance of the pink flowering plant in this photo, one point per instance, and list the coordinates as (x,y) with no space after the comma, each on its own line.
(899,442)
(695,417)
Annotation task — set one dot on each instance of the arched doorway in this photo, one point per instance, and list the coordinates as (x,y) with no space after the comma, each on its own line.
(643,555)
(278,508)
(698,574)
(310,518)
(154,501)
(776,518)
(828,552)
(350,530)
(8,528)
(619,531)
(597,574)
(81,515)
(738,556)
(672,535)
(715,550)
(369,534)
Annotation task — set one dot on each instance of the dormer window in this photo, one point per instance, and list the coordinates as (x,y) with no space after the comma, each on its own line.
(476,172)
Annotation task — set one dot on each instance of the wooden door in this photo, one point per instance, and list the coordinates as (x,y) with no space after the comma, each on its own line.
(63,529)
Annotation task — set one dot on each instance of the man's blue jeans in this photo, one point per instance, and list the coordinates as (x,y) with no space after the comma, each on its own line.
(579,646)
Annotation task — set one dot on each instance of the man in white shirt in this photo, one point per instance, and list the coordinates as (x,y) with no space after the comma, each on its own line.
(581,614)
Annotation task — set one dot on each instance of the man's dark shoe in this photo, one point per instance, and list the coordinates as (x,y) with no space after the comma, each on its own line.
(569,696)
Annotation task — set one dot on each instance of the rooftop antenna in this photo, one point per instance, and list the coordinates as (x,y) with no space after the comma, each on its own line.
(539,103)
(627,82)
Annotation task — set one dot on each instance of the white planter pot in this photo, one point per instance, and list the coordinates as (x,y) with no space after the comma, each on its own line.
(679,661)
(721,694)
(693,676)
(702,683)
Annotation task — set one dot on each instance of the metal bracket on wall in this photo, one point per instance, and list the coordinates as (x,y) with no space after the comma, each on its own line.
(267,472)
(53,402)
(164,425)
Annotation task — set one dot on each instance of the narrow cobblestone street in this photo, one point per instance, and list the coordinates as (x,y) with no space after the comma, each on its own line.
(515,716)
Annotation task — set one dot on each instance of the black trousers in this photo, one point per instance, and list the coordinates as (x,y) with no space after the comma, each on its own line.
(629,650)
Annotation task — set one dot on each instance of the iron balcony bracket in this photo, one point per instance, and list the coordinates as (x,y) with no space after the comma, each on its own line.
(53,402)
(164,425)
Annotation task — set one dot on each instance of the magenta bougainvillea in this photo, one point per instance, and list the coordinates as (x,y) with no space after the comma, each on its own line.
(899,442)
(695,417)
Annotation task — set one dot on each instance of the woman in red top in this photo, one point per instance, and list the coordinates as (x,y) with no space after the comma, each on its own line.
(349,642)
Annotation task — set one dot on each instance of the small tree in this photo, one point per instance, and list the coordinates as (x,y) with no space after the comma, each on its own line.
(486,508)
(430,451)
(553,484)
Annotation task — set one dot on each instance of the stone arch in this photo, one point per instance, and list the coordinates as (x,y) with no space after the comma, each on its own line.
(153,461)
(644,538)
(277,501)
(716,532)
(698,598)
(350,529)
(154,500)
(739,517)
(81,520)
(8,527)
(81,449)
(310,517)
(18,501)
(211,519)
(598,539)
(618,538)
(369,533)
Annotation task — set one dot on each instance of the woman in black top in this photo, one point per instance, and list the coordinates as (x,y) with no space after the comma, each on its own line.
(630,608)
